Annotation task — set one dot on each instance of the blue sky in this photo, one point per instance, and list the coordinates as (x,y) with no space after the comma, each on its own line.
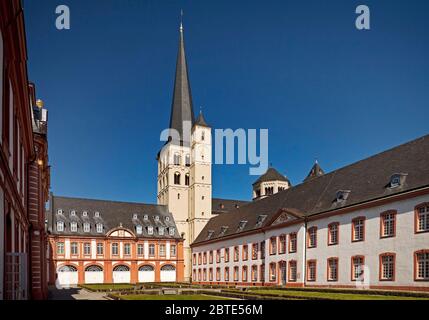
(299,68)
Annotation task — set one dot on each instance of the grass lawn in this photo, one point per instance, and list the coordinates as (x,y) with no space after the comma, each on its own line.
(329,295)
(108,286)
(170,297)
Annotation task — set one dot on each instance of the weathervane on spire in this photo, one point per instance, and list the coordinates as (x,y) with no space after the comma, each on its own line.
(181,20)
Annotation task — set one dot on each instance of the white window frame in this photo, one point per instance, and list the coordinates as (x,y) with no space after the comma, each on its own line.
(99,228)
(60,226)
(86,227)
(73,226)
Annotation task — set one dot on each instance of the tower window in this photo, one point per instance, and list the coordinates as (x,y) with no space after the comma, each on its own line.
(187,179)
(178,196)
(187,160)
(176,159)
(203,136)
(177,178)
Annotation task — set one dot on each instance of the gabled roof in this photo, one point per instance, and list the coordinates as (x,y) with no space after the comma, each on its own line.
(271,175)
(367,180)
(316,171)
(112,214)
(181,108)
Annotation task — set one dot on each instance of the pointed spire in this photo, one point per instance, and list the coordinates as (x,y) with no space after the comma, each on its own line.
(316,171)
(201,121)
(181,108)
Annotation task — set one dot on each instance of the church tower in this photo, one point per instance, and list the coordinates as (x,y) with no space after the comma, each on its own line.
(184,162)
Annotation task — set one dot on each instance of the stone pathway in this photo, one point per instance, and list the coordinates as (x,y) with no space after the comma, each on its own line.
(74,294)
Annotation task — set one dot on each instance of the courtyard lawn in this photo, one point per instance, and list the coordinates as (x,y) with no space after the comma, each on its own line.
(169,297)
(108,286)
(331,295)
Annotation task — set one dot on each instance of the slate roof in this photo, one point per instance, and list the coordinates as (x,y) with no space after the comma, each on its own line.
(367,180)
(201,121)
(112,214)
(316,171)
(181,107)
(271,175)
(225,205)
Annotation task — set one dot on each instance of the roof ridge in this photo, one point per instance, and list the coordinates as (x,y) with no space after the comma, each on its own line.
(108,200)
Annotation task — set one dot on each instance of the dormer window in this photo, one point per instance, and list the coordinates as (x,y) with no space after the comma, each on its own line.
(145,217)
(73,213)
(150,230)
(97,214)
(85,213)
(60,226)
(171,231)
(135,216)
(99,228)
(139,229)
(342,195)
(210,234)
(223,230)
(86,227)
(167,219)
(260,219)
(241,225)
(60,211)
(156,218)
(161,231)
(397,180)
(73,227)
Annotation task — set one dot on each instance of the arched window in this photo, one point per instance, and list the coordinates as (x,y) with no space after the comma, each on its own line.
(146,267)
(93,268)
(168,267)
(187,160)
(121,268)
(176,178)
(187,179)
(67,268)
(178,196)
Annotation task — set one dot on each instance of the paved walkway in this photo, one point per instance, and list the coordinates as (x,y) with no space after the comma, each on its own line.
(74,294)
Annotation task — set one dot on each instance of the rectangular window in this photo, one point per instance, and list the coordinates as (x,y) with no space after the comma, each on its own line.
(151,250)
(211,256)
(311,270)
(387,267)
(422,265)
(282,244)
(226,274)
(199,274)
(162,250)
(262,273)
(388,224)
(333,233)
(218,254)
(74,248)
(358,268)
(358,229)
(211,274)
(422,217)
(273,245)
(173,251)
(204,274)
(87,248)
(127,249)
(254,273)
(236,272)
(245,254)
(226,254)
(292,271)
(312,237)
(140,249)
(273,272)
(217,274)
(244,276)
(205,258)
(194,259)
(199,259)
(100,249)
(60,247)
(292,243)
(236,253)
(254,251)
(115,249)
(333,269)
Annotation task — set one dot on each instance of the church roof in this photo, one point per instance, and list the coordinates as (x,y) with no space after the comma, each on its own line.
(201,121)
(271,175)
(367,180)
(316,171)
(181,108)
(226,205)
(112,214)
